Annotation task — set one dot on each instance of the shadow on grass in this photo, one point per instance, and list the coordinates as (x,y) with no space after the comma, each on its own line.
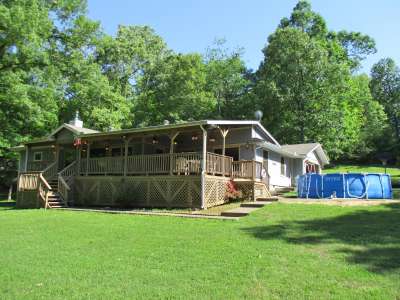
(370,238)
(7,204)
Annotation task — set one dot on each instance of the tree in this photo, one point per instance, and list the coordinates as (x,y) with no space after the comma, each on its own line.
(127,57)
(27,94)
(226,78)
(306,88)
(343,45)
(385,87)
(300,89)
(174,90)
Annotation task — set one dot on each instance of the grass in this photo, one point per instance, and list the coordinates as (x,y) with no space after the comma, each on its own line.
(282,251)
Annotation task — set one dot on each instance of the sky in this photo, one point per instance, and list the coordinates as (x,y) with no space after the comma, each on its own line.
(193,25)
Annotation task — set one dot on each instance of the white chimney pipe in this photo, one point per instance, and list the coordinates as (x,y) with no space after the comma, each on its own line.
(77,122)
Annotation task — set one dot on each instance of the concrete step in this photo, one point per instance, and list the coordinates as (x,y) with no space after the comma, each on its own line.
(238,212)
(255,204)
(268,199)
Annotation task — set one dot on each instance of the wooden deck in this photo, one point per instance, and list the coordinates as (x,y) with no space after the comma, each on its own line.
(154,180)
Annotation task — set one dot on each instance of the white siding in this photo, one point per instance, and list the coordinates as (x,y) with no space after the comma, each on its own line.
(311,157)
(274,171)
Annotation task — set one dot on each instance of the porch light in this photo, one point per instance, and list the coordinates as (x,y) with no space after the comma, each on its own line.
(107,147)
(175,143)
(155,140)
(195,138)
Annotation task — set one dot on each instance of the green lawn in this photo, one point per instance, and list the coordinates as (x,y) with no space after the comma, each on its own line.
(283,251)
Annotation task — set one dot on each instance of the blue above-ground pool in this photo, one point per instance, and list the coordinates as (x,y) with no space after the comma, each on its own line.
(345,185)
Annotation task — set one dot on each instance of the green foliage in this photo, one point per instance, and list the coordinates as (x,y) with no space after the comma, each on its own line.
(226,78)
(305,83)
(174,90)
(385,87)
(128,56)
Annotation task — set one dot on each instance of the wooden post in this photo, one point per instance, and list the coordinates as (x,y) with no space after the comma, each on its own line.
(26,158)
(224,133)
(127,141)
(57,156)
(79,156)
(172,138)
(87,158)
(203,167)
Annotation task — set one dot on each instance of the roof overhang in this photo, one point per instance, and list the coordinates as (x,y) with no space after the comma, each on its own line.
(276,149)
(185,125)
(322,156)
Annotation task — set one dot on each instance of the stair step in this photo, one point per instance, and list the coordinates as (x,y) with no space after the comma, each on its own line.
(268,199)
(238,212)
(257,204)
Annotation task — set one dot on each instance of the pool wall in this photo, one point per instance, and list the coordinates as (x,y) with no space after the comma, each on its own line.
(345,185)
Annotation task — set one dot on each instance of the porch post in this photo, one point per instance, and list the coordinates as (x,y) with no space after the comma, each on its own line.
(172,138)
(26,158)
(87,158)
(78,160)
(224,133)
(127,141)
(203,167)
(57,155)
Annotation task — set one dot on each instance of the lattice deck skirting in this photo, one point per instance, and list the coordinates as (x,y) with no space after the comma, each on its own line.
(138,191)
(252,190)
(215,190)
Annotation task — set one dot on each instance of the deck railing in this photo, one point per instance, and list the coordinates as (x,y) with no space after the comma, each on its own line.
(152,164)
(247,169)
(50,171)
(189,163)
(219,164)
(38,165)
(65,178)
(34,181)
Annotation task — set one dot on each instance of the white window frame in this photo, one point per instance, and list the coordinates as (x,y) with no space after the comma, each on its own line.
(41,156)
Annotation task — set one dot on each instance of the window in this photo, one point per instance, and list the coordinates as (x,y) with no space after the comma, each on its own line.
(37,156)
(97,152)
(265,155)
(117,151)
(232,152)
(283,167)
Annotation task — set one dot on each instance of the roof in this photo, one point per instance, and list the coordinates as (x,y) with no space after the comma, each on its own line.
(184,125)
(74,129)
(293,151)
(302,149)
(277,149)
(305,149)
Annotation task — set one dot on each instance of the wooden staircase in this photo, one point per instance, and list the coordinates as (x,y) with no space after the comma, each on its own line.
(54,198)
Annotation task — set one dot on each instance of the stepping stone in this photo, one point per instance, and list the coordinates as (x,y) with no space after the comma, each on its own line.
(238,212)
(272,198)
(255,204)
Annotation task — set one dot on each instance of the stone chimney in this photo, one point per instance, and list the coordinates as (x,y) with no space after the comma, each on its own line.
(77,122)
